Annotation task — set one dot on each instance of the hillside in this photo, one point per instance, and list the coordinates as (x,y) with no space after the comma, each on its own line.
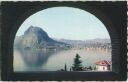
(37,38)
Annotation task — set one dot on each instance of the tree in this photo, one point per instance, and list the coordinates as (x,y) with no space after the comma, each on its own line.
(95,68)
(90,68)
(65,67)
(77,66)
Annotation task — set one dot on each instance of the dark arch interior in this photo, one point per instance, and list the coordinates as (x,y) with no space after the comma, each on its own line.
(114,22)
(102,16)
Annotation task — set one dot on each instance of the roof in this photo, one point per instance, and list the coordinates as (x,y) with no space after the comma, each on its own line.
(104,63)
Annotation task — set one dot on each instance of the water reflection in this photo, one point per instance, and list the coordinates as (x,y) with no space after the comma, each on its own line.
(53,60)
(36,58)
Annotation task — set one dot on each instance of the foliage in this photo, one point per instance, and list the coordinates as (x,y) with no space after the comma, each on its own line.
(77,66)
(65,67)
(90,68)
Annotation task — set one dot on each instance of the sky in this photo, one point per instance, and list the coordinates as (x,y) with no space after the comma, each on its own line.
(66,23)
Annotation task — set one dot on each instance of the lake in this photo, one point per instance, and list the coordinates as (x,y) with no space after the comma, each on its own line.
(53,60)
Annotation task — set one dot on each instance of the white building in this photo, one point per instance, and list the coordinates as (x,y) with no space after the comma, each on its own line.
(103,65)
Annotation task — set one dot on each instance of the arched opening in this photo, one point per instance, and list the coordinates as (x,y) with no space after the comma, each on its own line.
(114,22)
(51,39)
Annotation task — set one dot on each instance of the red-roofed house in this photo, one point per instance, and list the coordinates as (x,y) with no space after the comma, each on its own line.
(103,65)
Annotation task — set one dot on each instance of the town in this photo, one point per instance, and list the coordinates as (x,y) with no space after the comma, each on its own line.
(102,65)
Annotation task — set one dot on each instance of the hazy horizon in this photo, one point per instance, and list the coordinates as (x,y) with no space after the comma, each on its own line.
(66,23)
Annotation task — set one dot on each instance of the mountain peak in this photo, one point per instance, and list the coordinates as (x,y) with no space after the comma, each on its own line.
(36,37)
(37,31)
(34,29)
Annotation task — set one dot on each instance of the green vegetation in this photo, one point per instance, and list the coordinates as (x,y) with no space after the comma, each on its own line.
(65,67)
(77,66)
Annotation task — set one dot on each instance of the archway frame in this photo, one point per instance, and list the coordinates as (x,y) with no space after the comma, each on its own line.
(114,25)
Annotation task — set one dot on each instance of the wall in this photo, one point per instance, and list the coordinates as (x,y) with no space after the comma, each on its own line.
(0,36)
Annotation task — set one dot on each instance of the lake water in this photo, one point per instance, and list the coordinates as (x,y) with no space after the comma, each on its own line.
(53,60)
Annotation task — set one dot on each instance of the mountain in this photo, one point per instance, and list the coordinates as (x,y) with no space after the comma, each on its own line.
(35,37)
(88,43)
(85,42)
